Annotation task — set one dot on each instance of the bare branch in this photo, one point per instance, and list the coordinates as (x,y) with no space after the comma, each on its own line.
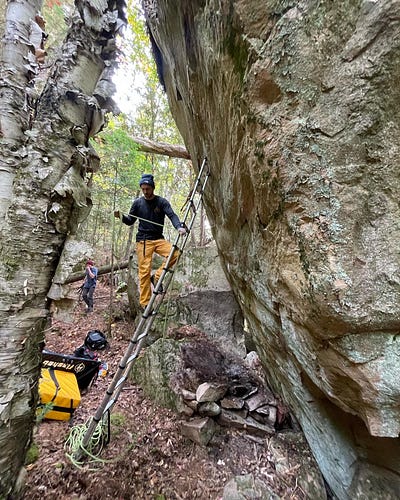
(161,148)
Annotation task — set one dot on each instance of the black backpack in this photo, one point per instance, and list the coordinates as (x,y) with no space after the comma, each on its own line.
(96,340)
(84,352)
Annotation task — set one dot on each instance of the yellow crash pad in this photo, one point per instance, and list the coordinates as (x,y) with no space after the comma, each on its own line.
(60,390)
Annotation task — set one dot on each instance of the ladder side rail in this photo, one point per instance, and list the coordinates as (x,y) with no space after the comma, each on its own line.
(129,364)
(166,273)
(109,393)
(115,396)
(165,270)
(113,391)
(188,213)
(190,224)
(195,204)
(118,374)
(193,195)
(175,246)
(201,170)
(193,191)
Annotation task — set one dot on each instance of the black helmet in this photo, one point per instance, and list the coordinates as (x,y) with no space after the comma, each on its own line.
(96,340)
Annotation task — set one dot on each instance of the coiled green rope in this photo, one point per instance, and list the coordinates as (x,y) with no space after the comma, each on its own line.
(99,439)
(73,444)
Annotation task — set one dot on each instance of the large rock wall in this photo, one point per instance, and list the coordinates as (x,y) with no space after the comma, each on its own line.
(296,105)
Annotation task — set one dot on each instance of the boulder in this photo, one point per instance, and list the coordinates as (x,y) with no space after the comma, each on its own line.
(295,106)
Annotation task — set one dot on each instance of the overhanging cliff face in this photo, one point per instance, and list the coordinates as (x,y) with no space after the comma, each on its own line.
(296,106)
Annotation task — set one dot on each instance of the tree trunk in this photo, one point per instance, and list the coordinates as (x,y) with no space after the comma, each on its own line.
(45,165)
(133,288)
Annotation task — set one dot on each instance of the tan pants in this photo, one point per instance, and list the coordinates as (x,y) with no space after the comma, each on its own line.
(144,252)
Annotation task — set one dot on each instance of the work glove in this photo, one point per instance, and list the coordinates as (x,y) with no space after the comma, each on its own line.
(182,231)
(117,214)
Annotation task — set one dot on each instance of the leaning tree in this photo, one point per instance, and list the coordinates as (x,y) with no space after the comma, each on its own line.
(45,166)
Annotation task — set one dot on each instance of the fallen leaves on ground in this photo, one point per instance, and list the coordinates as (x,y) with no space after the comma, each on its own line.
(147,457)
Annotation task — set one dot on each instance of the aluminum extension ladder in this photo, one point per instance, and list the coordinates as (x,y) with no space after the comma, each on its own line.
(136,342)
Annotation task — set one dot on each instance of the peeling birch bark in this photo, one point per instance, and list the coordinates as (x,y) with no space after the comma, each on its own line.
(45,162)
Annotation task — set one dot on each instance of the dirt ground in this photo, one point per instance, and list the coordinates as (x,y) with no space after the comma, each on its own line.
(147,457)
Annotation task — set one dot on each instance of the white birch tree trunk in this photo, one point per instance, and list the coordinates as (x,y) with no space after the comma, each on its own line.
(45,162)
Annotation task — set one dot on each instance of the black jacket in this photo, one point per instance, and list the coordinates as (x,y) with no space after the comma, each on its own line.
(153,210)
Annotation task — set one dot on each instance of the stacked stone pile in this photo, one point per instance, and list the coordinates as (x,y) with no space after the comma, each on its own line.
(234,397)
(215,390)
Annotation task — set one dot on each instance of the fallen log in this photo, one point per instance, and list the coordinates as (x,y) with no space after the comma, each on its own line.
(80,275)
(161,148)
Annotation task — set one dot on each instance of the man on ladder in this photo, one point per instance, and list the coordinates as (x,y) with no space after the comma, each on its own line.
(87,443)
(151,210)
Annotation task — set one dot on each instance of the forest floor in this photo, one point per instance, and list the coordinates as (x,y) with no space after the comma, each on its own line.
(147,457)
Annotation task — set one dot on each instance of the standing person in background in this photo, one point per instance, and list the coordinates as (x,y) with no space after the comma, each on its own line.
(89,285)
(151,210)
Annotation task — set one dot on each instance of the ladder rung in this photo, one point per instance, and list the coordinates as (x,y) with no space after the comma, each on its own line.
(109,405)
(151,313)
(134,356)
(141,336)
(120,381)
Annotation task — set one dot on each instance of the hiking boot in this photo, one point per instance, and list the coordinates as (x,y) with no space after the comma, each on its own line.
(160,289)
